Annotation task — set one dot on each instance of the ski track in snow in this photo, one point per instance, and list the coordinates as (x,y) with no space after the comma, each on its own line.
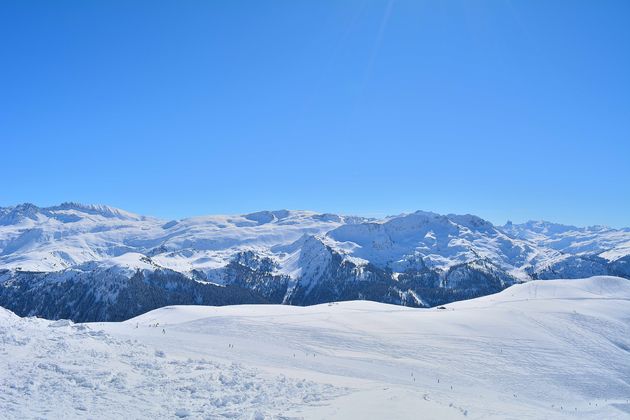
(545,349)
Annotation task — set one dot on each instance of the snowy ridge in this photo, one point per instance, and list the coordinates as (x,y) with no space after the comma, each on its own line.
(481,358)
(54,238)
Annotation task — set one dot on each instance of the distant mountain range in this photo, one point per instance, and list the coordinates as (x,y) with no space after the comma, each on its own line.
(94,262)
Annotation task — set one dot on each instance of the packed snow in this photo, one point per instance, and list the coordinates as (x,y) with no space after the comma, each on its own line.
(542,349)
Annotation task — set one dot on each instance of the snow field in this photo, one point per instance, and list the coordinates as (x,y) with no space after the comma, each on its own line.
(543,349)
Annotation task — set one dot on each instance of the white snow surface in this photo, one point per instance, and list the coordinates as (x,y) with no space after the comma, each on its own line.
(542,349)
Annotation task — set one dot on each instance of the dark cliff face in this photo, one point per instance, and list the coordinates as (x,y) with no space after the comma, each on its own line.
(255,273)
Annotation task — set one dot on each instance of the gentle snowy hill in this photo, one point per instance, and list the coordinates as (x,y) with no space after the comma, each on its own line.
(94,262)
(543,349)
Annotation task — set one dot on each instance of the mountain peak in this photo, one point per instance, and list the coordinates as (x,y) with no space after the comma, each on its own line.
(18,213)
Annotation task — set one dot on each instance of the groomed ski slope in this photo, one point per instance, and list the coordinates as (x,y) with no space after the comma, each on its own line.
(543,349)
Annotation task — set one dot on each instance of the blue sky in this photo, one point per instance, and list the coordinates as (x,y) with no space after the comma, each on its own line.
(504,109)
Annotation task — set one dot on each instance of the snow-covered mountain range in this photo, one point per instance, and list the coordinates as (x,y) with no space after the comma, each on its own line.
(94,262)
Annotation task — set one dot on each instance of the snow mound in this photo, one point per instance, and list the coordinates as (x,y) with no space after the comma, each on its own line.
(61,323)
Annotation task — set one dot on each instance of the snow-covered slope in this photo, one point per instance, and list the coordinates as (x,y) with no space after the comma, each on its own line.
(54,238)
(543,349)
(422,239)
(95,254)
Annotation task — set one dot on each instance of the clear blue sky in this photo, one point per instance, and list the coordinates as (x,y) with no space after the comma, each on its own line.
(504,109)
